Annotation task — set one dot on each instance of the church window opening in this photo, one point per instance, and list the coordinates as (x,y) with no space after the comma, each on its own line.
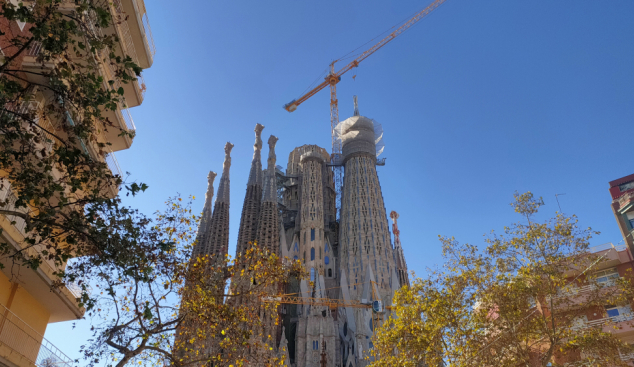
(326,260)
(296,248)
(295,257)
(312,254)
(312,274)
(312,234)
(326,248)
(329,271)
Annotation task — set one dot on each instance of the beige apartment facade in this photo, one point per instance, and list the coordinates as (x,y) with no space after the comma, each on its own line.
(28,302)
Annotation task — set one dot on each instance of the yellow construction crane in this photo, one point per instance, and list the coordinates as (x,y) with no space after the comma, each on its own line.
(335,77)
(295,299)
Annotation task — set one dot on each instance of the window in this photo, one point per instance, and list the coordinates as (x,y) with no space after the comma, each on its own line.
(312,274)
(295,257)
(312,234)
(329,271)
(622,311)
(296,248)
(579,322)
(326,248)
(327,260)
(626,186)
(320,253)
(20,23)
(606,276)
(612,311)
(312,254)
(315,344)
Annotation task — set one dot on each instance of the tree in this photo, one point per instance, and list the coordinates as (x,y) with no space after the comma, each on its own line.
(53,128)
(517,301)
(169,309)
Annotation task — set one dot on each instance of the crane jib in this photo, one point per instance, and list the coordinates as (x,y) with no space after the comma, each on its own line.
(292,106)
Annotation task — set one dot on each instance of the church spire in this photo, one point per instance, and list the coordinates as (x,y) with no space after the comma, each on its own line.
(218,242)
(255,175)
(268,236)
(271,188)
(202,236)
(223,189)
(253,197)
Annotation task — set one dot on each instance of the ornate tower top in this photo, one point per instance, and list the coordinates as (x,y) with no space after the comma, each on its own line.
(271,189)
(357,136)
(356,106)
(255,175)
(223,189)
(203,235)
(210,191)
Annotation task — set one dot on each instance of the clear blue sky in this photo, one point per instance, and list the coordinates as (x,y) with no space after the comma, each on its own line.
(478,100)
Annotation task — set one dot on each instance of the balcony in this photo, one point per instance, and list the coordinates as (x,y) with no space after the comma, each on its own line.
(576,291)
(23,346)
(625,201)
(61,303)
(609,320)
(606,246)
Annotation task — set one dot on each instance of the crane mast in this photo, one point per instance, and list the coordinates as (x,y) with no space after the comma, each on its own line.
(335,77)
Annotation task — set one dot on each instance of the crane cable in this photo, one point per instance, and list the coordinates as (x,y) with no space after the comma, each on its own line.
(346,57)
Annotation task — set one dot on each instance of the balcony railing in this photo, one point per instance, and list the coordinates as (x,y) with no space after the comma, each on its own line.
(113,164)
(606,246)
(625,199)
(149,39)
(609,320)
(626,357)
(573,291)
(127,117)
(23,339)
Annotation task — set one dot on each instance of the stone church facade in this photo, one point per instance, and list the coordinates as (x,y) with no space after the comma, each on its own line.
(351,258)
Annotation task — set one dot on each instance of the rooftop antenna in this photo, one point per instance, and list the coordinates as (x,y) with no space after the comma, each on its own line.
(557,198)
(356,106)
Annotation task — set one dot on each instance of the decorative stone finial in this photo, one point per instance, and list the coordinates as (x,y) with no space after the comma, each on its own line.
(356,106)
(272,157)
(223,187)
(270,189)
(210,188)
(227,163)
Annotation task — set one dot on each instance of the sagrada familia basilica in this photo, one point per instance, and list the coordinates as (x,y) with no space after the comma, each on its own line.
(351,259)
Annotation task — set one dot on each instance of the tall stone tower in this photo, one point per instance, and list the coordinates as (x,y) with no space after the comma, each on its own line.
(204,227)
(253,197)
(401,265)
(268,233)
(218,243)
(367,258)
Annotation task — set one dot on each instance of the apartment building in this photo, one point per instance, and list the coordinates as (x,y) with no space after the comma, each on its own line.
(622,192)
(28,303)
(616,261)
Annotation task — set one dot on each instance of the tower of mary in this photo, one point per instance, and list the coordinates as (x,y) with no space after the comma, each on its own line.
(350,257)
